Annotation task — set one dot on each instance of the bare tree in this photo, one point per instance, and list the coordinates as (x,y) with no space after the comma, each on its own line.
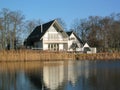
(11,22)
(4,15)
(76,26)
(100,32)
(16,21)
(1,33)
(30,26)
(62,23)
(81,28)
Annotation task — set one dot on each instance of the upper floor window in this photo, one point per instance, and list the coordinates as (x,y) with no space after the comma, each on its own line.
(72,38)
(53,36)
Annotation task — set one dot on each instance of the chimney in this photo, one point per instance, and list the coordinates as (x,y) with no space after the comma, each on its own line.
(41,28)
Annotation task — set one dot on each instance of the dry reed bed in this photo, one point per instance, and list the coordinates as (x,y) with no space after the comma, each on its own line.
(98,56)
(34,55)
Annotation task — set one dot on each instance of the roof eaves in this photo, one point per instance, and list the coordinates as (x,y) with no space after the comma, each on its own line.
(78,38)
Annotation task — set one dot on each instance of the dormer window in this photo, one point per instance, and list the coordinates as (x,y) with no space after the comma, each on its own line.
(72,38)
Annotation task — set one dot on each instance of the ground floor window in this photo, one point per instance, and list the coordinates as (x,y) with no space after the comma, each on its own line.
(53,47)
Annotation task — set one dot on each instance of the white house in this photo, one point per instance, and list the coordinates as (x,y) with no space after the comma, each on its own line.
(87,49)
(74,42)
(48,36)
(51,36)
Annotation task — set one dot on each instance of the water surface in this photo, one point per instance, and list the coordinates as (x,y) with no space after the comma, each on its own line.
(60,75)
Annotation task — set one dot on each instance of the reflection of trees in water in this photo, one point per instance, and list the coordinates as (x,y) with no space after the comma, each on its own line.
(18,81)
(36,80)
(102,76)
(8,80)
(109,79)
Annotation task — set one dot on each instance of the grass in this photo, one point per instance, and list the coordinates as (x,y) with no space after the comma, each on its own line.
(34,55)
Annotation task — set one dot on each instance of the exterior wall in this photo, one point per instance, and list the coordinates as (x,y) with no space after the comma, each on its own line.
(45,46)
(61,47)
(92,50)
(38,45)
(65,46)
(70,42)
(52,34)
(53,37)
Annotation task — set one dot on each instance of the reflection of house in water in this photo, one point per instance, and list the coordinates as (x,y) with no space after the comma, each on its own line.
(77,69)
(73,75)
(72,72)
(50,77)
(56,76)
(53,76)
(86,68)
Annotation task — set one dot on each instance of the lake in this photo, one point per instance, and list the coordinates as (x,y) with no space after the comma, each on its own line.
(60,75)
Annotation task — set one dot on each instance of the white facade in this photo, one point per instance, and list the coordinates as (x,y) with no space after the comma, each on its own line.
(91,49)
(73,40)
(52,40)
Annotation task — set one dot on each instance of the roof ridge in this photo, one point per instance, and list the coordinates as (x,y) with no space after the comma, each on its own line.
(46,23)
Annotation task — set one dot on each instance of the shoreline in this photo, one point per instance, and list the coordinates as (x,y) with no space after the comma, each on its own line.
(35,55)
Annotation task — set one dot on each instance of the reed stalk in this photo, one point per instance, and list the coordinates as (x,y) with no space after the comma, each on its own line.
(35,55)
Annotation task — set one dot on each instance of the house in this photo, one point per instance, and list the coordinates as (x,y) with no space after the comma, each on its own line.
(51,36)
(48,36)
(74,42)
(87,49)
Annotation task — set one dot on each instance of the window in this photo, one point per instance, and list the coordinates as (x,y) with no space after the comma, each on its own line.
(72,38)
(53,36)
(53,47)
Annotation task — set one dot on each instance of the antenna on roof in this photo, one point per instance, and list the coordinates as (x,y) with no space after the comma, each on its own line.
(41,28)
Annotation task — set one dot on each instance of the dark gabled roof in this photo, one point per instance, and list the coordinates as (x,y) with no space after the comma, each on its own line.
(36,34)
(70,32)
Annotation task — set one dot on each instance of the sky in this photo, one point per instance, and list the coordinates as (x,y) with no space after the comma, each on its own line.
(67,10)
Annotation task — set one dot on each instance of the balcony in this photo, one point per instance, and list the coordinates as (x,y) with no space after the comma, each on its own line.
(65,40)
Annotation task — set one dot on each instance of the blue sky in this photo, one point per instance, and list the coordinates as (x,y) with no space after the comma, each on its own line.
(68,10)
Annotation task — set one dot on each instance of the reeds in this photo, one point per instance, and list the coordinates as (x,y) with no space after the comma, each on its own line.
(36,55)
(98,56)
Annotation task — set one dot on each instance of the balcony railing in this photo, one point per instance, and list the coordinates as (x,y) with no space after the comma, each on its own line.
(55,40)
